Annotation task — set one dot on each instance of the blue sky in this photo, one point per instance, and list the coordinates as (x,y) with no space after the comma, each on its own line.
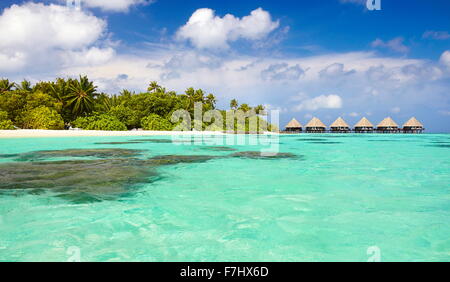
(325,58)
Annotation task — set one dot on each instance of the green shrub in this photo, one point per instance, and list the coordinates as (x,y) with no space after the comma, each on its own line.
(82,122)
(125,115)
(3,115)
(6,125)
(42,118)
(100,122)
(157,123)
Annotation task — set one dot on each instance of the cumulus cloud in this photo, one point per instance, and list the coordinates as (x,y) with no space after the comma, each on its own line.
(282,71)
(192,60)
(187,61)
(87,56)
(415,71)
(111,5)
(334,70)
(395,44)
(170,75)
(269,107)
(206,30)
(44,35)
(445,58)
(437,35)
(320,102)
(379,73)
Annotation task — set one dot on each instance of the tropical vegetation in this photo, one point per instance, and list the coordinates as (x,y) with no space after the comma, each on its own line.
(77,103)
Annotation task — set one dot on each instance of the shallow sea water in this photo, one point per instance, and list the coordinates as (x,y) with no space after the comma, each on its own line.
(330,199)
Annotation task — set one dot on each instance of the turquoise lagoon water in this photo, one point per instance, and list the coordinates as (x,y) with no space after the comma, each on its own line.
(335,197)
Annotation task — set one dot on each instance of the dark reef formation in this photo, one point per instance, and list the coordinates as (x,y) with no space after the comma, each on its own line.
(91,175)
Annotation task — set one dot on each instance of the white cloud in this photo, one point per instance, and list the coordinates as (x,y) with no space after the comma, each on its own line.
(353,114)
(416,71)
(437,35)
(192,60)
(445,58)
(269,107)
(12,61)
(206,30)
(282,71)
(89,56)
(112,5)
(320,102)
(334,70)
(37,35)
(178,69)
(395,44)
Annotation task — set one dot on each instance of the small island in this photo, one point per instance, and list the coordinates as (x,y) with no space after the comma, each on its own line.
(75,104)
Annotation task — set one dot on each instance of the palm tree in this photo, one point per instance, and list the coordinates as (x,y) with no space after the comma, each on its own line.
(126,94)
(43,86)
(25,85)
(60,90)
(199,96)
(190,95)
(211,99)
(245,108)
(259,109)
(5,85)
(234,104)
(153,87)
(81,96)
(162,90)
(105,102)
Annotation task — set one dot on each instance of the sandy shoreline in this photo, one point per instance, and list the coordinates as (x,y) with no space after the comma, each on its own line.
(32,133)
(25,133)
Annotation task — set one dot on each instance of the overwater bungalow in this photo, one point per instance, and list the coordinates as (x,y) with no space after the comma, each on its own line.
(294,126)
(340,126)
(364,126)
(413,126)
(315,126)
(388,125)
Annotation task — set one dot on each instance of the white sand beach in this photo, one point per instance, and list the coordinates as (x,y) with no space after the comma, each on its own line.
(29,133)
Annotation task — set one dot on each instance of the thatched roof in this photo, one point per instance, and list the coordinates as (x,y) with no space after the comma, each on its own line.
(413,122)
(315,122)
(293,124)
(340,122)
(364,123)
(388,122)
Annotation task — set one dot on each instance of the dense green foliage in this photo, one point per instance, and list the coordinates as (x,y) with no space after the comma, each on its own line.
(100,122)
(76,103)
(42,118)
(5,123)
(155,122)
